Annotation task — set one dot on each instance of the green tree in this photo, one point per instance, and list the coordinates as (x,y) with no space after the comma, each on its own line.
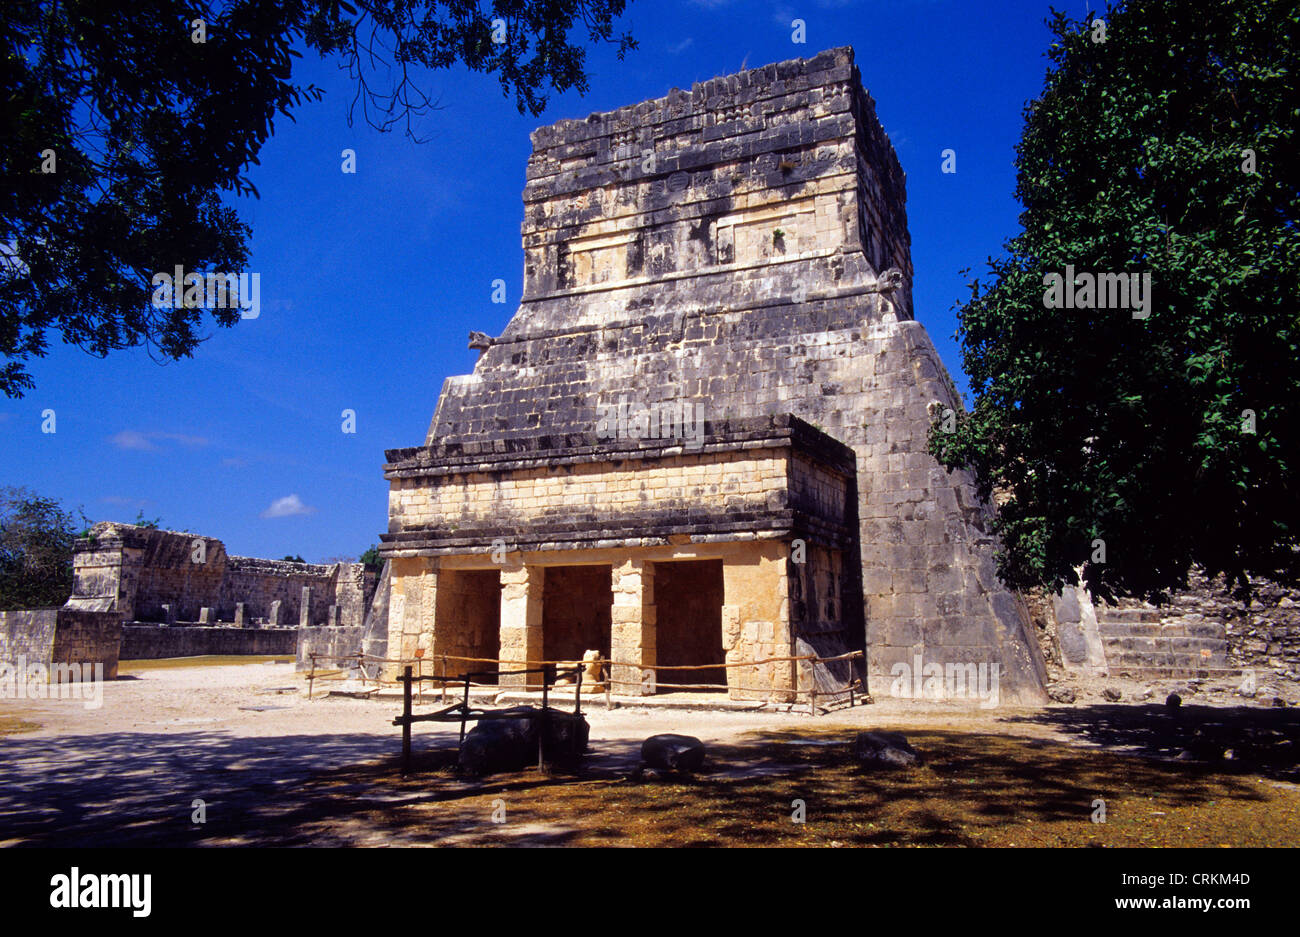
(119,133)
(294,559)
(1168,148)
(36,545)
(371,556)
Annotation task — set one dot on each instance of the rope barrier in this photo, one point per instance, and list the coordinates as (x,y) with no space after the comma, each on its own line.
(607,679)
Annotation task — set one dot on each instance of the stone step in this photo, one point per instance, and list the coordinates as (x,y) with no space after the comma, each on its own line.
(1166,660)
(1108,614)
(1126,630)
(1166,630)
(1175,673)
(1172,643)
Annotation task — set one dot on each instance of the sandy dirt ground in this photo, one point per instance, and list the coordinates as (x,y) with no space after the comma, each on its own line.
(242,739)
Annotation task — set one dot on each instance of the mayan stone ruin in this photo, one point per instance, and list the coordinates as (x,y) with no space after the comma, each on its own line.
(178,594)
(702,437)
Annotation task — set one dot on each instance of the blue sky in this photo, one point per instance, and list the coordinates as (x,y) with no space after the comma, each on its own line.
(370,282)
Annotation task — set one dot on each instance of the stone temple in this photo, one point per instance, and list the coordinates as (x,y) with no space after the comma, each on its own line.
(702,437)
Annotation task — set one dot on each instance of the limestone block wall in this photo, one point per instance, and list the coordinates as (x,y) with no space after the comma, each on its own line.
(147,641)
(756,623)
(258,582)
(412,605)
(84,637)
(61,636)
(330,642)
(704,178)
(28,634)
(742,481)
(576,492)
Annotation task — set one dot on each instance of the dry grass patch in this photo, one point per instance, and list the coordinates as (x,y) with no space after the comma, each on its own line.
(15,723)
(211,660)
(976,789)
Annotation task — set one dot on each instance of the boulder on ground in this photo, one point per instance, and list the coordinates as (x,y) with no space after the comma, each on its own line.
(1060,694)
(565,738)
(885,750)
(508,742)
(669,752)
(499,745)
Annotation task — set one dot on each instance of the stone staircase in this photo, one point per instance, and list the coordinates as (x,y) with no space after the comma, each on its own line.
(1142,643)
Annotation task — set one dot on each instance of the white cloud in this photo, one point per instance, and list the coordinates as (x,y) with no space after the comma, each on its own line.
(128,502)
(130,439)
(288,507)
(145,442)
(679,47)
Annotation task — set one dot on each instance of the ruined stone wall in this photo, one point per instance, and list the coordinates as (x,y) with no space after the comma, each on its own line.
(744,269)
(329,642)
(55,636)
(257,583)
(153,575)
(153,641)
(28,634)
(1263,637)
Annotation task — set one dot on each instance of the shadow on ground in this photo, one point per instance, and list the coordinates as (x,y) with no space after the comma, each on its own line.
(977,788)
(1231,740)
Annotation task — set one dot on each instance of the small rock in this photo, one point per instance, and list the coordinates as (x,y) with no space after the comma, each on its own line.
(1061,694)
(1112,694)
(1147,694)
(1173,701)
(885,750)
(669,752)
(1278,701)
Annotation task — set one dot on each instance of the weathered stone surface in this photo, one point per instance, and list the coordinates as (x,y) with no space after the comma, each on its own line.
(885,750)
(52,637)
(670,752)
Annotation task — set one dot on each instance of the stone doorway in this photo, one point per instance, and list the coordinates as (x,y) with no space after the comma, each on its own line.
(469,619)
(576,611)
(688,603)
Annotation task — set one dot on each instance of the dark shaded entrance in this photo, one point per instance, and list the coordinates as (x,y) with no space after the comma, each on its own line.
(468,619)
(688,603)
(576,604)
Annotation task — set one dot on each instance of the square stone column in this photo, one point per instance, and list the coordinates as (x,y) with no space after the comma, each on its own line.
(633,638)
(521,623)
(412,602)
(304,608)
(756,624)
